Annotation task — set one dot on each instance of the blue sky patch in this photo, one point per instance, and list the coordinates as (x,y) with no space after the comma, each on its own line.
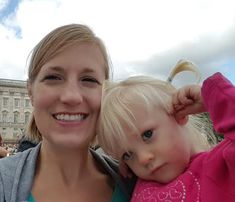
(7,11)
(230,70)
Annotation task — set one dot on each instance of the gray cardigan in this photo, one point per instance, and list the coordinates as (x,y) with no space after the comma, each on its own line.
(17,174)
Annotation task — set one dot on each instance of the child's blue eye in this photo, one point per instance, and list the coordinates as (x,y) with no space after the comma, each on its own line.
(126,156)
(147,135)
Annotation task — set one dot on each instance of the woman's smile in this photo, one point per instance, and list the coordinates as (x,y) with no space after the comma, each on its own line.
(70,117)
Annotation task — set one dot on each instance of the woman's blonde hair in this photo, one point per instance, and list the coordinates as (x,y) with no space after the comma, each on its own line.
(51,45)
(117,108)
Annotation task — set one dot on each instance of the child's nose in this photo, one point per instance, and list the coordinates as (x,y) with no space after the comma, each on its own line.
(145,157)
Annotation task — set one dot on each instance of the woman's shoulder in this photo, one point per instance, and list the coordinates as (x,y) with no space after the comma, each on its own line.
(100,152)
(16,173)
(9,165)
(110,165)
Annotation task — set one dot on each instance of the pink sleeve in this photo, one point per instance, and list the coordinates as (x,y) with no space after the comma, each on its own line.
(219,97)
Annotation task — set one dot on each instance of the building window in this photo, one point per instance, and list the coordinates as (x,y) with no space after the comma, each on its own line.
(15,135)
(17,102)
(4,116)
(4,134)
(5,102)
(16,117)
(27,101)
(26,117)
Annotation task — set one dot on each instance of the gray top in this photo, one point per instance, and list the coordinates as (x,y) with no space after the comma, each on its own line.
(17,174)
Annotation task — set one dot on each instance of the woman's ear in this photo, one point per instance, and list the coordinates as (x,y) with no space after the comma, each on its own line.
(30,94)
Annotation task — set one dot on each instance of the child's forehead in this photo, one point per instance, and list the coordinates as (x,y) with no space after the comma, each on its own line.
(144,111)
(144,118)
(142,98)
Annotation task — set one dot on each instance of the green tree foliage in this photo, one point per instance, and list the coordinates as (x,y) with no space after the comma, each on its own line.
(208,127)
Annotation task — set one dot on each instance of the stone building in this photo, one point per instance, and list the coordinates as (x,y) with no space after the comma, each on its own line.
(15,109)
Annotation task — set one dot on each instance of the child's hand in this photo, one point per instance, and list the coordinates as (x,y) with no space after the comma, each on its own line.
(186,101)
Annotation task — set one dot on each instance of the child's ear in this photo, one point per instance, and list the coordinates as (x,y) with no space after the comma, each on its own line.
(182,121)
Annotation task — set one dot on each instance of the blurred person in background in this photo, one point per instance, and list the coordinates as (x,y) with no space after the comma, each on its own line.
(3,151)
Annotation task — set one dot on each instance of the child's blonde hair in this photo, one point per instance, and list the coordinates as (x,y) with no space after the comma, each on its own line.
(117,104)
(184,65)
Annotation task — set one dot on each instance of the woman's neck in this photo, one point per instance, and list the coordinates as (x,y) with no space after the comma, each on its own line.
(69,175)
(66,164)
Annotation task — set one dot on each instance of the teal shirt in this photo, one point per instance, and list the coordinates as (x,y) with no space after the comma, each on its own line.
(118,196)
(30,199)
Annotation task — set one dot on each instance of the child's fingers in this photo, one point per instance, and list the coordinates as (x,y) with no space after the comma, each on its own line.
(181,114)
(180,99)
(184,96)
(189,109)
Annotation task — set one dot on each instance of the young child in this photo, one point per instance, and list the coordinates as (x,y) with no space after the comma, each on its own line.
(145,123)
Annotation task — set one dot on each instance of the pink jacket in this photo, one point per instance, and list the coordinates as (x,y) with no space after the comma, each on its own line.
(210,176)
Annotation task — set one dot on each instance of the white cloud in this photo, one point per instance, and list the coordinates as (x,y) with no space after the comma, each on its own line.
(133,31)
(3,3)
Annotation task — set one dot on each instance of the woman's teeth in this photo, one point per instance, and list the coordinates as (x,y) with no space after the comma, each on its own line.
(67,117)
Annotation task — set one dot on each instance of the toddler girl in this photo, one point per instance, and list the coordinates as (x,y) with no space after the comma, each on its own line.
(145,123)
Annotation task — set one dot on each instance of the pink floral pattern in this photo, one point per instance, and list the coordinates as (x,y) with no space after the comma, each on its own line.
(175,191)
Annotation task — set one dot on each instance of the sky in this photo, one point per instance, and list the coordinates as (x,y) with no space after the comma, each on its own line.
(143,37)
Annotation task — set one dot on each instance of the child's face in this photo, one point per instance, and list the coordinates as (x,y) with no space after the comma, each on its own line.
(161,151)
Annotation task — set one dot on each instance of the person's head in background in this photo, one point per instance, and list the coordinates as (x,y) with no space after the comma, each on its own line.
(1,141)
(65,76)
(136,126)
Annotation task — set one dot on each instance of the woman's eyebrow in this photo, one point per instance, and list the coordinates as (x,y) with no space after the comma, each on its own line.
(61,69)
(88,70)
(55,68)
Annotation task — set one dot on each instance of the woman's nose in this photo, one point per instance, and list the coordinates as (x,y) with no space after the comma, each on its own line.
(72,94)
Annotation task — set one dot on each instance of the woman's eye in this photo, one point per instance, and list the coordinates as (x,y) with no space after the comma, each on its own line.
(91,80)
(147,135)
(126,156)
(52,77)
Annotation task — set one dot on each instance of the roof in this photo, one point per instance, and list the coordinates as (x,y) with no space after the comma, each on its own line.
(13,83)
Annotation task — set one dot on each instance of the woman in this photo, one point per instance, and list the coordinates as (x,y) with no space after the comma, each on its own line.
(65,76)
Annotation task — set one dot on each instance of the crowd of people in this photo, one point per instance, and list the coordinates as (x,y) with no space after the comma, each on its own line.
(10,148)
(3,150)
(142,124)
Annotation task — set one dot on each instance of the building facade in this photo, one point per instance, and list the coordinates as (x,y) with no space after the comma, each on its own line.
(15,109)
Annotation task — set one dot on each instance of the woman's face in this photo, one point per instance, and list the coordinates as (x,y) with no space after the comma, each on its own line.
(66,95)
